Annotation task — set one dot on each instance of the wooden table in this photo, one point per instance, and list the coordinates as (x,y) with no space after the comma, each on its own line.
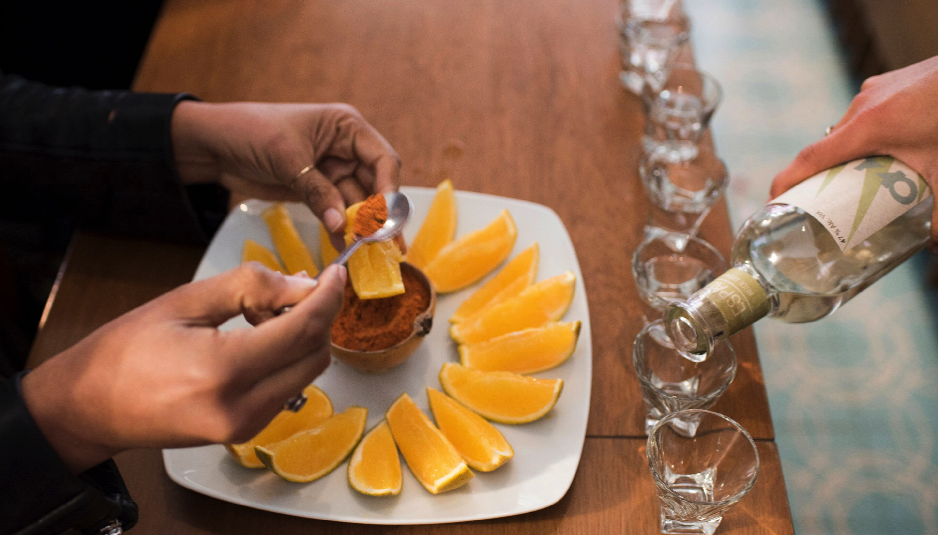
(528,90)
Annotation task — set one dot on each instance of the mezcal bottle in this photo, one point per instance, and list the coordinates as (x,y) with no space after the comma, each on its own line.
(810,250)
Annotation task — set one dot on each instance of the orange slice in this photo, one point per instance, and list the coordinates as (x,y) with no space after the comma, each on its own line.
(480,444)
(374,468)
(508,282)
(472,256)
(430,456)
(502,397)
(438,228)
(309,455)
(526,351)
(255,252)
(317,410)
(539,304)
(295,255)
(375,270)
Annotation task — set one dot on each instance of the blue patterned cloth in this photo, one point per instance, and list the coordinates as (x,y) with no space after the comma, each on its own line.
(854,397)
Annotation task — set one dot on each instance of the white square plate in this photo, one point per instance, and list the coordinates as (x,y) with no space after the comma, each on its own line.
(547,451)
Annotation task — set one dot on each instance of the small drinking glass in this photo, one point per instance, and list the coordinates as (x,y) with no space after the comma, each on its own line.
(671,267)
(651,34)
(699,477)
(678,106)
(682,192)
(670,382)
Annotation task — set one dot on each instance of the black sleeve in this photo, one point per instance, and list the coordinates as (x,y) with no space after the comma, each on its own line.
(98,160)
(38,494)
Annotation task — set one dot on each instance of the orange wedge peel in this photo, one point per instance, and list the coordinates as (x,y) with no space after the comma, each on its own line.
(502,397)
(296,257)
(255,252)
(539,304)
(431,458)
(482,445)
(438,228)
(473,256)
(526,351)
(318,409)
(375,468)
(518,274)
(309,455)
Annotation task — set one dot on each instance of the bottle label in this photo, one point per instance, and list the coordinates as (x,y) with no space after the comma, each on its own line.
(739,297)
(856,199)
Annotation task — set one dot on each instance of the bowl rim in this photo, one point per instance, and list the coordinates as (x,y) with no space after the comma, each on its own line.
(417,324)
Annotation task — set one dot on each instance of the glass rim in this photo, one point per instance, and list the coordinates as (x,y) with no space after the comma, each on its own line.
(650,156)
(716,393)
(687,239)
(727,501)
(679,39)
(621,20)
(712,104)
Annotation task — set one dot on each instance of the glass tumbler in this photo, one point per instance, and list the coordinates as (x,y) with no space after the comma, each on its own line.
(670,382)
(681,192)
(698,478)
(678,106)
(651,34)
(670,267)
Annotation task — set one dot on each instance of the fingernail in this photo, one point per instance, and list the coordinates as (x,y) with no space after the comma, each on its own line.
(343,273)
(302,279)
(333,220)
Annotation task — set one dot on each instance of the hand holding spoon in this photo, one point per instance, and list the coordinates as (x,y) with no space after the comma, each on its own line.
(399,208)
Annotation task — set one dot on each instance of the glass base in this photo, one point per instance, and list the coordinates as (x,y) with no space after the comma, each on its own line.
(683,426)
(673,525)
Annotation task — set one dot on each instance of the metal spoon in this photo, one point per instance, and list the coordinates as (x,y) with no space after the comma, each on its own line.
(399,209)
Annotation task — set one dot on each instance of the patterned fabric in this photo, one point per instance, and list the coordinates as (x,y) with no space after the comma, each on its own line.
(854,397)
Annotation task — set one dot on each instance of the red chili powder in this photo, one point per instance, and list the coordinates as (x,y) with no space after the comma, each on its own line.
(373,324)
(371,216)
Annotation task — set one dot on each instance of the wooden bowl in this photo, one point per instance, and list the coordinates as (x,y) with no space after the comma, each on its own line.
(382,360)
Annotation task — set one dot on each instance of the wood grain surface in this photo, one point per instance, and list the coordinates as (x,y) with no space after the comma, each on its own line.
(526,91)
(613,492)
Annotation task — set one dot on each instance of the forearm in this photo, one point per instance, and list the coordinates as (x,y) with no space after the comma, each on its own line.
(101,160)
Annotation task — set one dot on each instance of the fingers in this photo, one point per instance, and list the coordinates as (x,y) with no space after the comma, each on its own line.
(375,151)
(249,289)
(267,397)
(323,198)
(283,340)
(845,143)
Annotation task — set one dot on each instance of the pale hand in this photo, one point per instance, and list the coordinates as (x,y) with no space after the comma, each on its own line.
(894,114)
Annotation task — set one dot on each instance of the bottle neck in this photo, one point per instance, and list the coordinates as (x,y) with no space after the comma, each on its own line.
(727,305)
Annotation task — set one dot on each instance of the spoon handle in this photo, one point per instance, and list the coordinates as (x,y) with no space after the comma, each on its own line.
(297,402)
(343,256)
